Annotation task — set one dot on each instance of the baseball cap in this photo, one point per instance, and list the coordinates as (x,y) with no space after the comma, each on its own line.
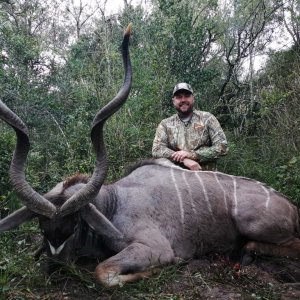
(182,86)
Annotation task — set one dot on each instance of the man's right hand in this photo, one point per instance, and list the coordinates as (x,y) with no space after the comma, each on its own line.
(191,164)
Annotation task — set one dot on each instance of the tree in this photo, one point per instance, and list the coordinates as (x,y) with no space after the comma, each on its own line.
(190,31)
(290,17)
(244,24)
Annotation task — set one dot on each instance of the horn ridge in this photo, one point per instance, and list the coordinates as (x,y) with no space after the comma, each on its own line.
(28,196)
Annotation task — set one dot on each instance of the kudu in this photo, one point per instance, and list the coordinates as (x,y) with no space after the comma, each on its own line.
(156,215)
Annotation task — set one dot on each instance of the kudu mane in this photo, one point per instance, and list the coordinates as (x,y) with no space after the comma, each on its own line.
(151,161)
(74,179)
(84,178)
(130,168)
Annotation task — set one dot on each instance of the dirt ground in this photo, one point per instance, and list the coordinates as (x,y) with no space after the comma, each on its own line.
(209,278)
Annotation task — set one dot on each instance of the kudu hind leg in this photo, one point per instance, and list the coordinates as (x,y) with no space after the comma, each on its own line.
(287,249)
(132,263)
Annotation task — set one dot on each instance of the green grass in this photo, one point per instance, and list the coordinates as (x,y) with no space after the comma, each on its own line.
(21,277)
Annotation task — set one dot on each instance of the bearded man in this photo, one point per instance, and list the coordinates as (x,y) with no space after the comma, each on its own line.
(191,138)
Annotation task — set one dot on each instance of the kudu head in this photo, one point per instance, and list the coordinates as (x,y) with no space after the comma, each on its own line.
(59,210)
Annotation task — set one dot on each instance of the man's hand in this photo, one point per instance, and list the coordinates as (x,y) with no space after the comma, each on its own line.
(179,156)
(185,158)
(191,164)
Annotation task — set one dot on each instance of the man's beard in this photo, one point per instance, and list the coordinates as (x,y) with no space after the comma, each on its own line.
(185,113)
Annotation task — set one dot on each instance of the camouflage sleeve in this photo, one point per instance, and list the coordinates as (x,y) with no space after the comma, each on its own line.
(160,144)
(218,142)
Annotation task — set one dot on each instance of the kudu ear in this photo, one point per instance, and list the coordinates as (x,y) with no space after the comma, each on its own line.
(99,222)
(16,219)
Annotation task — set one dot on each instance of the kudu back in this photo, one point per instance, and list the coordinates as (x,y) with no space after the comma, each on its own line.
(158,214)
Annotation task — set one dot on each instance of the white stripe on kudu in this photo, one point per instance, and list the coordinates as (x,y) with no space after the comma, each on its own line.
(223,190)
(204,193)
(268,194)
(179,196)
(234,196)
(189,191)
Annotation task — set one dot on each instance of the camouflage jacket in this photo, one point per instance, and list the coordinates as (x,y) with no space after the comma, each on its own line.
(202,135)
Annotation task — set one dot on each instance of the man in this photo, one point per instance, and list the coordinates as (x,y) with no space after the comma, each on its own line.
(191,138)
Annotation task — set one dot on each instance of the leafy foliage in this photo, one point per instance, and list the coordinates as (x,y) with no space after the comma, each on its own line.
(56,81)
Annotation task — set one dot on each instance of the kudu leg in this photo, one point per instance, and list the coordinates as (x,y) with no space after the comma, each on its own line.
(287,249)
(135,262)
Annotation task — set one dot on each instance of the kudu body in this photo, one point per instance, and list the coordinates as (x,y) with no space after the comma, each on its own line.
(156,215)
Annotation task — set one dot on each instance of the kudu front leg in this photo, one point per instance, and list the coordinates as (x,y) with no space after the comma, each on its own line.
(133,263)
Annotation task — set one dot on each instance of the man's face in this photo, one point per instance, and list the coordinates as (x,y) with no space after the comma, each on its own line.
(183,102)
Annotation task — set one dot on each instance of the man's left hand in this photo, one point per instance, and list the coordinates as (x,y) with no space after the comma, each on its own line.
(179,156)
